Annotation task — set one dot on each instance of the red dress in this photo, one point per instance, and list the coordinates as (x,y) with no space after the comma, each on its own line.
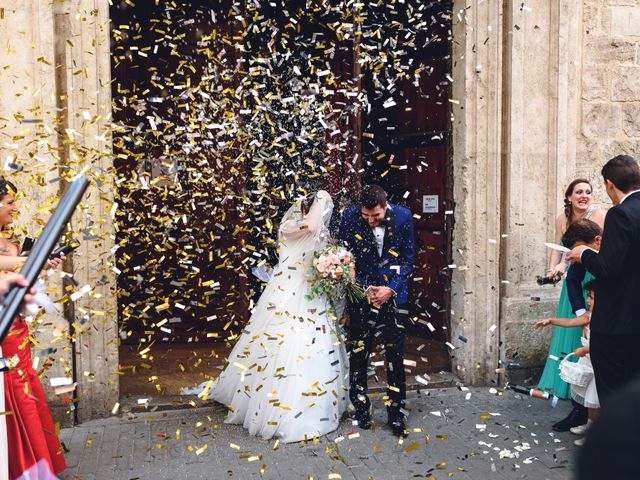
(31,433)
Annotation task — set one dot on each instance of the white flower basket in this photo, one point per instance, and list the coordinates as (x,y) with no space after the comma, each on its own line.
(575,373)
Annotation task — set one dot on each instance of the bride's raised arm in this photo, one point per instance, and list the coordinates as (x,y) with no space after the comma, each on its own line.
(320,211)
(317,217)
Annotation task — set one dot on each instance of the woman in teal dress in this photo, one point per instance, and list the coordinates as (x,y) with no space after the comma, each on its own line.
(577,205)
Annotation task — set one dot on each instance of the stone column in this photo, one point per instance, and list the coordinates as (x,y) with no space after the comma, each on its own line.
(477,111)
(83,57)
(541,104)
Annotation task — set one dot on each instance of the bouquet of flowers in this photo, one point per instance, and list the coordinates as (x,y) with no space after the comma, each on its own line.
(334,275)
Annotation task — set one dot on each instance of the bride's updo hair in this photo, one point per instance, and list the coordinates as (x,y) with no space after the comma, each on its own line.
(305,203)
(373,196)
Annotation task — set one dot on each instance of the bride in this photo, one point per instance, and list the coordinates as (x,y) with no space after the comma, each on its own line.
(287,375)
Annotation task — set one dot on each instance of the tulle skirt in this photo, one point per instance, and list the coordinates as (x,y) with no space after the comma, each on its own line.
(287,375)
(587,396)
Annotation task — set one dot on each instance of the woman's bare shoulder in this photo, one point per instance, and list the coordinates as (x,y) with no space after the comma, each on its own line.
(561,222)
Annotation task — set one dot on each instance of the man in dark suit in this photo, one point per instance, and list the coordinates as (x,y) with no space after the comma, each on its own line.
(615,322)
(380,236)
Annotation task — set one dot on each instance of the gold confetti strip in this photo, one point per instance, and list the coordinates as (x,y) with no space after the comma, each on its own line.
(411,447)
(202,449)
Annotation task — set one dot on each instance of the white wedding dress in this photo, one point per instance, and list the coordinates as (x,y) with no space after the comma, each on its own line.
(287,375)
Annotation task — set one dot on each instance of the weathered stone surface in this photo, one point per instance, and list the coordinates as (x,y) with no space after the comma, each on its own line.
(621,2)
(590,153)
(523,344)
(631,119)
(595,82)
(474,163)
(600,120)
(604,49)
(622,147)
(625,20)
(626,83)
(590,17)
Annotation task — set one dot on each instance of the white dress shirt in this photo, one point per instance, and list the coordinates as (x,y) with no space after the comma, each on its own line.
(378,234)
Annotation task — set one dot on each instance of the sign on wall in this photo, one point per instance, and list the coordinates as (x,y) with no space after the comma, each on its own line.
(430,204)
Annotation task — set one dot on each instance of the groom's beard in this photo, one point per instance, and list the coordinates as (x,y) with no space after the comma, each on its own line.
(378,222)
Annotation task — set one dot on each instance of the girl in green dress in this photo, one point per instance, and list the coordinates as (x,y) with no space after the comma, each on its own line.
(577,205)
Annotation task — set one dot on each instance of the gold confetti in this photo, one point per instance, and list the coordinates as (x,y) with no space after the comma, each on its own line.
(411,447)
(202,449)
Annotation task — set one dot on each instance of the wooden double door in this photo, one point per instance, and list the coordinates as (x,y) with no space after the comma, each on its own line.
(184,223)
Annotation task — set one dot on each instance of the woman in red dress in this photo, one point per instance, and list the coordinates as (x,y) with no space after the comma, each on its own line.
(31,433)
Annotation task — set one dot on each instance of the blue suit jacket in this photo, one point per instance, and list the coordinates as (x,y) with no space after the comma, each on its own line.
(575,277)
(393,268)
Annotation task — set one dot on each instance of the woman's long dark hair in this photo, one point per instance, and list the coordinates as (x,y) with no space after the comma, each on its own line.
(568,211)
(6,188)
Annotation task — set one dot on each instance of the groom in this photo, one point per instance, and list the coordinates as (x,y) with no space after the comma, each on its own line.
(380,236)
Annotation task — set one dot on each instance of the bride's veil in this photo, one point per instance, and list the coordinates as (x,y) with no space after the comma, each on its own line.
(301,233)
(314,225)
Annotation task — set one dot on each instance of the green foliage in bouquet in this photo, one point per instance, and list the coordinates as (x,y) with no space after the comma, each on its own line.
(333,273)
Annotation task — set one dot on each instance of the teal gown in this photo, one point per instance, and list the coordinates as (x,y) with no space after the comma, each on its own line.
(563,342)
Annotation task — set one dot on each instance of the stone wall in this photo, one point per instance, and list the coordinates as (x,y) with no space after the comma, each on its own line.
(610,115)
(521,111)
(572,103)
(477,183)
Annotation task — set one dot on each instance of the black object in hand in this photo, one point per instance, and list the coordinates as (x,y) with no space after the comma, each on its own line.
(27,245)
(548,281)
(41,251)
(62,251)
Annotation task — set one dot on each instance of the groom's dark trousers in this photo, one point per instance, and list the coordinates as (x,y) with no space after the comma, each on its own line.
(388,326)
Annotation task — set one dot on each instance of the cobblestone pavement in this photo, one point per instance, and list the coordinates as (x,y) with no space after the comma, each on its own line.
(456,434)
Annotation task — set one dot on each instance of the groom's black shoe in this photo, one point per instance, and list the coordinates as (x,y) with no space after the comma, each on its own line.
(577,416)
(398,424)
(399,427)
(363,417)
